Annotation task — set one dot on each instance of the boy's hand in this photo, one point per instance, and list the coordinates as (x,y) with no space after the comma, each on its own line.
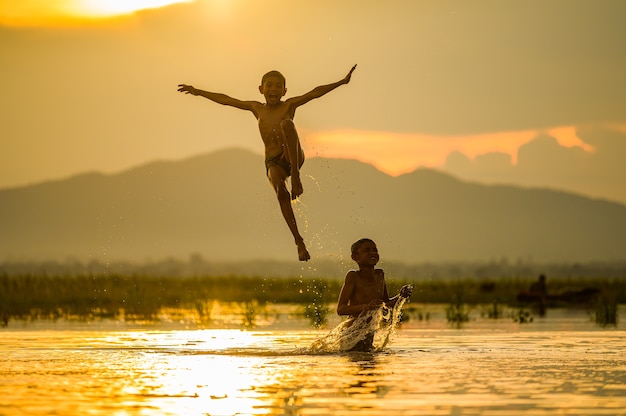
(347,78)
(187,89)
(406,291)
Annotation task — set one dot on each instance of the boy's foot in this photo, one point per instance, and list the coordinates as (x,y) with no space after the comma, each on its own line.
(303,253)
(296,186)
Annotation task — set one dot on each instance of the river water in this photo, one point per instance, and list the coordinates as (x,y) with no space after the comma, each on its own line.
(562,364)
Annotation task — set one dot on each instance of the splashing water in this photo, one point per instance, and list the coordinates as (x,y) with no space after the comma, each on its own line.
(370,332)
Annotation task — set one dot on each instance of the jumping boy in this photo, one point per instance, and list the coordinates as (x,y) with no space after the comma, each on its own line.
(283,154)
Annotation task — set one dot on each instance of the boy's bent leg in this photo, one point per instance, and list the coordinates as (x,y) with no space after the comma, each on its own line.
(277,178)
(295,154)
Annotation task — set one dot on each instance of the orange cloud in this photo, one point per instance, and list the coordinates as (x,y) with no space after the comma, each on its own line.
(566,136)
(398,153)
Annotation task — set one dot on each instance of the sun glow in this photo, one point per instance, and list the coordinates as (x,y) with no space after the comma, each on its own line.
(61,12)
(118,7)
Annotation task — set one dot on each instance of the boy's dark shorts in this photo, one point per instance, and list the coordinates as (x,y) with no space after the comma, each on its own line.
(278,160)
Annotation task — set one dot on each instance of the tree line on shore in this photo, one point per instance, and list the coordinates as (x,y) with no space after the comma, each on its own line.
(324,268)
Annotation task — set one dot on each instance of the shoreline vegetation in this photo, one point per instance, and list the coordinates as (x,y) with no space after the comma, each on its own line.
(30,297)
(72,289)
(327,268)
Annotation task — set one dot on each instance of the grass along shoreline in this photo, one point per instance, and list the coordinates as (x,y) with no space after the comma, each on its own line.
(32,297)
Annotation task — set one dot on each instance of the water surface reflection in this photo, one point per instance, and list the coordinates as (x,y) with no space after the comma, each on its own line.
(562,365)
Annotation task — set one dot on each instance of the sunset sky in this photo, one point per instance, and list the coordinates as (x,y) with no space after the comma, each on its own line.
(526,92)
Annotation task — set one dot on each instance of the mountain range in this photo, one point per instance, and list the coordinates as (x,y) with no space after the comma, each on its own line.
(221,207)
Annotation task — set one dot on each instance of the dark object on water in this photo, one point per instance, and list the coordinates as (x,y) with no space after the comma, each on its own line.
(522,317)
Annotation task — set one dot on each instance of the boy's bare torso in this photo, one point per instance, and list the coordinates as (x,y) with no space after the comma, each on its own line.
(269,118)
(367,287)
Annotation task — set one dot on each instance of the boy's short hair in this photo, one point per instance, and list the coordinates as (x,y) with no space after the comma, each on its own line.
(274,73)
(355,246)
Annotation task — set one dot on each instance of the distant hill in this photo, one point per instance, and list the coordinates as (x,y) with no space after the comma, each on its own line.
(220,206)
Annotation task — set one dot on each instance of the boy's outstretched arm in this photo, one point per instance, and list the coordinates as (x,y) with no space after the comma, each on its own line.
(216,97)
(319,91)
(405,292)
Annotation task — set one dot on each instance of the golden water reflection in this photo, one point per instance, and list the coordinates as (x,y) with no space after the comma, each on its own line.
(565,365)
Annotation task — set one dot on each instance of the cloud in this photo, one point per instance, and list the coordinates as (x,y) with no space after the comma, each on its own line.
(598,171)
(545,155)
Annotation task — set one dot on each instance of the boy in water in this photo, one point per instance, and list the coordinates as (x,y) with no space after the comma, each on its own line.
(365,289)
(283,154)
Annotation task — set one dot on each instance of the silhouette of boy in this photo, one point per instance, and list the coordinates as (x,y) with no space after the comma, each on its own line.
(283,154)
(365,289)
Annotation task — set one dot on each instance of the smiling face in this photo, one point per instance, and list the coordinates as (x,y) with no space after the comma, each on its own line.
(366,254)
(273,88)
